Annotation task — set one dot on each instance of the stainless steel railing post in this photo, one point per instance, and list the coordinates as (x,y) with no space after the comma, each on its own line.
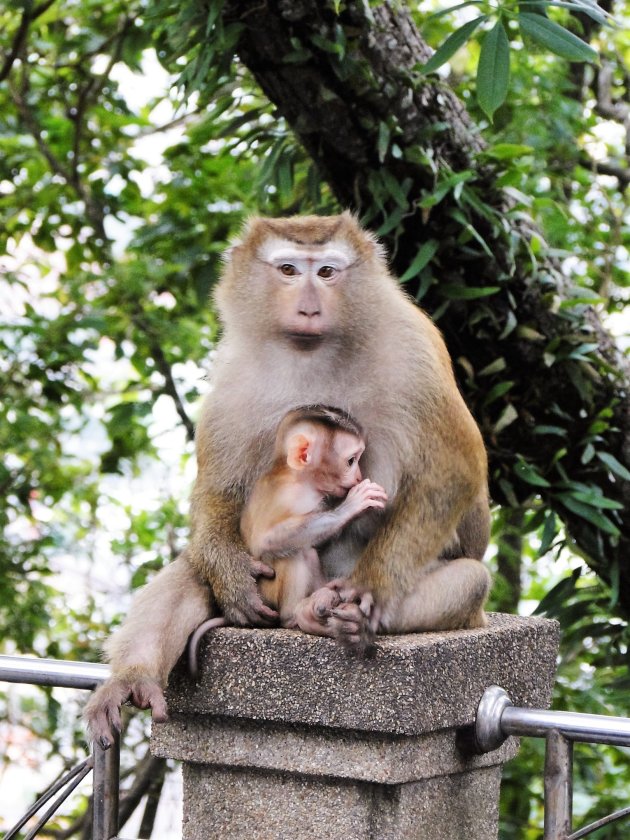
(558,786)
(105,789)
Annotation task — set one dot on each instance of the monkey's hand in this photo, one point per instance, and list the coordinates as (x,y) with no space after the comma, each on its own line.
(248,609)
(340,611)
(102,712)
(366,494)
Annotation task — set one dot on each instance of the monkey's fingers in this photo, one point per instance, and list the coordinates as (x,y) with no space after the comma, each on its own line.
(146,693)
(254,613)
(352,594)
(102,712)
(352,628)
(259,569)
(312,613)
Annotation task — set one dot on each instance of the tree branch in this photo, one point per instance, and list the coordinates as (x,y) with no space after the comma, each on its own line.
(92,89)
(164,367)
(71,176)
(21,35)
(146,770)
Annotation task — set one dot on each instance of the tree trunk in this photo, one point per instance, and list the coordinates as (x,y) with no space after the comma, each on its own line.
(392,145)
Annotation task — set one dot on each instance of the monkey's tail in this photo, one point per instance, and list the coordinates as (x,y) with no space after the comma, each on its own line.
(195,639)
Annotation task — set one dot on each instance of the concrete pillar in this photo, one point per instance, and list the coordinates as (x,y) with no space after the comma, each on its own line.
(287,737)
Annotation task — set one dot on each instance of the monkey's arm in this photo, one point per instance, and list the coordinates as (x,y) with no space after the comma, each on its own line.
(292,532)
(218,555)
(147,645)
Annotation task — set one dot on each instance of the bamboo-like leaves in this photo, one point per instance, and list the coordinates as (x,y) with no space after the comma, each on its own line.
(493,71)
(555,38)
(451,45)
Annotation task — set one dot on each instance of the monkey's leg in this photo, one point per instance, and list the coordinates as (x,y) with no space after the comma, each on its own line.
(449,595)
(296,578)
(146,647)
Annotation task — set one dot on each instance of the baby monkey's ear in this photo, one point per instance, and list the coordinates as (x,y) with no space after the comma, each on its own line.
(299,451)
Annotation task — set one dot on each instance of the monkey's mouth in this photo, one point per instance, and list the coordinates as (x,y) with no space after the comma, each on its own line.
(305,340)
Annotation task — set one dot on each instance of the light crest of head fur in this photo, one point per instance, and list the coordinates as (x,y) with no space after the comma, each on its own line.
(308,232)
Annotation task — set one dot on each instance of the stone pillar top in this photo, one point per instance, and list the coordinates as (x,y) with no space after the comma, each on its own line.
(412,684)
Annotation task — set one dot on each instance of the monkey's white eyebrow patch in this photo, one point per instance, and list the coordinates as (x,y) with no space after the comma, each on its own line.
(276,250)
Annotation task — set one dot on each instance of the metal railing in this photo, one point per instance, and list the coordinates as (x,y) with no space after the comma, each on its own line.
(105,764)
(497,718)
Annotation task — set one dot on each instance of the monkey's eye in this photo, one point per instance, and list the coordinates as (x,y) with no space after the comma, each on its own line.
(352,461)
(288,270)
(326,272)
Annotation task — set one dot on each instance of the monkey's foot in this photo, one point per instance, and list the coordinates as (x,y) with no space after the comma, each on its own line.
(102,712)
(343,612)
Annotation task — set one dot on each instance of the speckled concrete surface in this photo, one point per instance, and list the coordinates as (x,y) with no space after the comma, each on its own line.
(413,684)
(250,805)
(287,736)
(310,750)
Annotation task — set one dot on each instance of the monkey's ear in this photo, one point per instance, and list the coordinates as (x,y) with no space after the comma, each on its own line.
(299,451)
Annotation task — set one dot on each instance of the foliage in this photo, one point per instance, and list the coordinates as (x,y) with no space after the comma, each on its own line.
(536,28)
(118,191)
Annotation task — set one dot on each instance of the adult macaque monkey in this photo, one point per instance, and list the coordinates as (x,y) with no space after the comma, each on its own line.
(289,513)
(312,315)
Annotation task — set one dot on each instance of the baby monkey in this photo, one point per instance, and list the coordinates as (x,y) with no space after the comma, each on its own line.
(291,510)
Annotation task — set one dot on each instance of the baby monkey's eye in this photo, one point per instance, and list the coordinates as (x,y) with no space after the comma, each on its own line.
(288,270)
(352,461)
(326,271)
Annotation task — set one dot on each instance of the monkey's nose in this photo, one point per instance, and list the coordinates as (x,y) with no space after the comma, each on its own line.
(308,304)
(310,310)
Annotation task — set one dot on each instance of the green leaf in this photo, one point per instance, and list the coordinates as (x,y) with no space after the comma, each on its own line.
(590,514)
(507,417)
(494,367)
(397,190)
(555,38)
(549,430)
(461,218)
(455,292)
(585,7)
(451,45)
(548,534)
(392,220)
(614,465)
(493,70)
(594,498)
(425,254)
(382,143)
(497,391)
(530,474)
(560,594)
(508,151)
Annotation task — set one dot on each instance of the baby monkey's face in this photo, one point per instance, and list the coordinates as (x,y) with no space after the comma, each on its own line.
(339,470)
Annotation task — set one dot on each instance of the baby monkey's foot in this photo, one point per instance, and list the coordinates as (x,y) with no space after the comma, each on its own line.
(343,612)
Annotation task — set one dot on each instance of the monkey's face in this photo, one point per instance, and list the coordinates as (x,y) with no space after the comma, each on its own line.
(304,284)
(298,280)
(339,467)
